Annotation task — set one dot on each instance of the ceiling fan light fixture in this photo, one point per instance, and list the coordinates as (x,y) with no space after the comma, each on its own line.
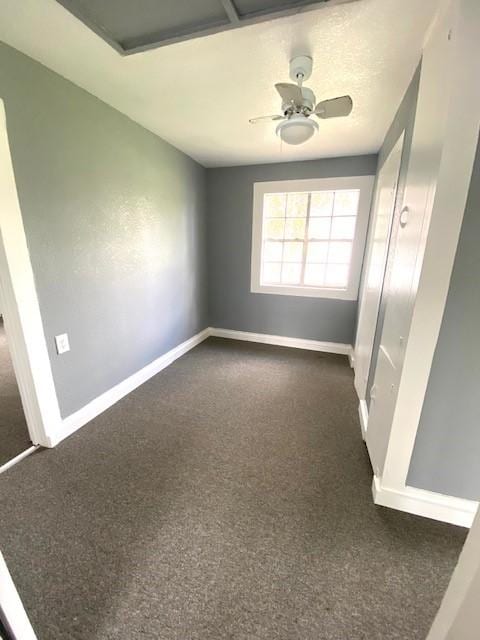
(297,129)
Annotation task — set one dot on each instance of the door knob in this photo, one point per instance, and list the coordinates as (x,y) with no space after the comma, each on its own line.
(404,214)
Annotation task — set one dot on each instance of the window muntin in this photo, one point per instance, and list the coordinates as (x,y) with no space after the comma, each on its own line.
(303,231)
(307,238)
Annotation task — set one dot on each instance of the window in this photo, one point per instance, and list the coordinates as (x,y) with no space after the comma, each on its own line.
(309,236)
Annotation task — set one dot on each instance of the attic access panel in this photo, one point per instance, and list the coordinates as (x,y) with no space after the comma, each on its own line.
(136,26)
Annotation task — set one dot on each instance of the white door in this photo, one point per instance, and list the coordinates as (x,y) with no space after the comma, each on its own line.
(408,239)
(376,259)
(398,312)
(383,396)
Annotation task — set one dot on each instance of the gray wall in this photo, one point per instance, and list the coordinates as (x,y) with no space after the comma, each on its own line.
(232,306)
(446,457)
(115,224)
(403,122)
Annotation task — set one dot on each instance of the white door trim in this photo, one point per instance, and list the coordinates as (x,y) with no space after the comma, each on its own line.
(21,311)
(459,615)
(447,206)
(390,168)
(12,607)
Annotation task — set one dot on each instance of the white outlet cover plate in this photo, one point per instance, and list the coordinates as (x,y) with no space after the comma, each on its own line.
(62,343)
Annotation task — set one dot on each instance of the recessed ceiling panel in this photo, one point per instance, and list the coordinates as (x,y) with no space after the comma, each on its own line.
(200,95)
(257,7)
(130,24)
(130,27)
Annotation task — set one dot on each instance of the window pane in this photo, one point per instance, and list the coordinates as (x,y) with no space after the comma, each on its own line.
(340,252)
(273,228)
(343,228)
(346,203)
(271,272)
(321,203)
(337,275)
(291,273)
(272,251)
(314,274)
(317,252)
(295,229)
(297,204)
(319,228)
(274,205)
(293,252)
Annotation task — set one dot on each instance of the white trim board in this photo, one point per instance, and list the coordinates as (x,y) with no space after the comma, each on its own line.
(449,69)
(364,184)
(20,308)
(363,415)
(283,341)
(76,420)
(11,463)
(17,620)
(103,402)
(428,504)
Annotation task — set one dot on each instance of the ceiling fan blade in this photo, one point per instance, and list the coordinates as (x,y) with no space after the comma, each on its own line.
(290,93)
(265,118)
(334,108)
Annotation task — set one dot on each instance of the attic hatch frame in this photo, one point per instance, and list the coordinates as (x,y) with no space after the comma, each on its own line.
(233,19)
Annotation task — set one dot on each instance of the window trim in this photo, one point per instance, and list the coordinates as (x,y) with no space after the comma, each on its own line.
(363,183)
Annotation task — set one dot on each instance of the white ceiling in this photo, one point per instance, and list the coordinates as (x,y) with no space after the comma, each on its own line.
(199,94)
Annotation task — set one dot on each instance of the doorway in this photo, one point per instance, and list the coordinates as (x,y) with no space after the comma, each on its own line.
(27,347)
(14,436)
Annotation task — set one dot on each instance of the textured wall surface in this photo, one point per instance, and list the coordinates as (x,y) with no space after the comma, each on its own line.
(115,224)
(447,447)
(232,305)
(403,122)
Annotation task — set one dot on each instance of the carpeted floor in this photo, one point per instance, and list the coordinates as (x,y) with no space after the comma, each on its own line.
(14,436)
(227,498)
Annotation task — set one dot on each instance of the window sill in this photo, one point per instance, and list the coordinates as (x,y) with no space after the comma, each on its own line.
(304,292)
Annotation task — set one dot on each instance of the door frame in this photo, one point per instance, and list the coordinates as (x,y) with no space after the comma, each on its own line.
(21,310)
(397,148)
(458,20)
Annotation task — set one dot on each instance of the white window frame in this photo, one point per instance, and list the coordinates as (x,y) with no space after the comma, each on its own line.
(365,186)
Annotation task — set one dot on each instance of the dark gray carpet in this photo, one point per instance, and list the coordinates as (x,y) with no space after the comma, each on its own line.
(227,498)
(14,436)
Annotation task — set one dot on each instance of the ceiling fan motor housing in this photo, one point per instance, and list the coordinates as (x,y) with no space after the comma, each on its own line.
(308,101)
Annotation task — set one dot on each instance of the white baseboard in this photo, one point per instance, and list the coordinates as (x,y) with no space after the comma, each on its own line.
(351,358)
(103,402)
(21,456)
(426,503)
(363,414)
(283,341)
(116,393)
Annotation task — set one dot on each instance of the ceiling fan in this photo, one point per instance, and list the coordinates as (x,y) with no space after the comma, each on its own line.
(298,104)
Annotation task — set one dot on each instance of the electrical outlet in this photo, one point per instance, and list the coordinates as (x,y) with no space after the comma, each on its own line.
(62,343)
